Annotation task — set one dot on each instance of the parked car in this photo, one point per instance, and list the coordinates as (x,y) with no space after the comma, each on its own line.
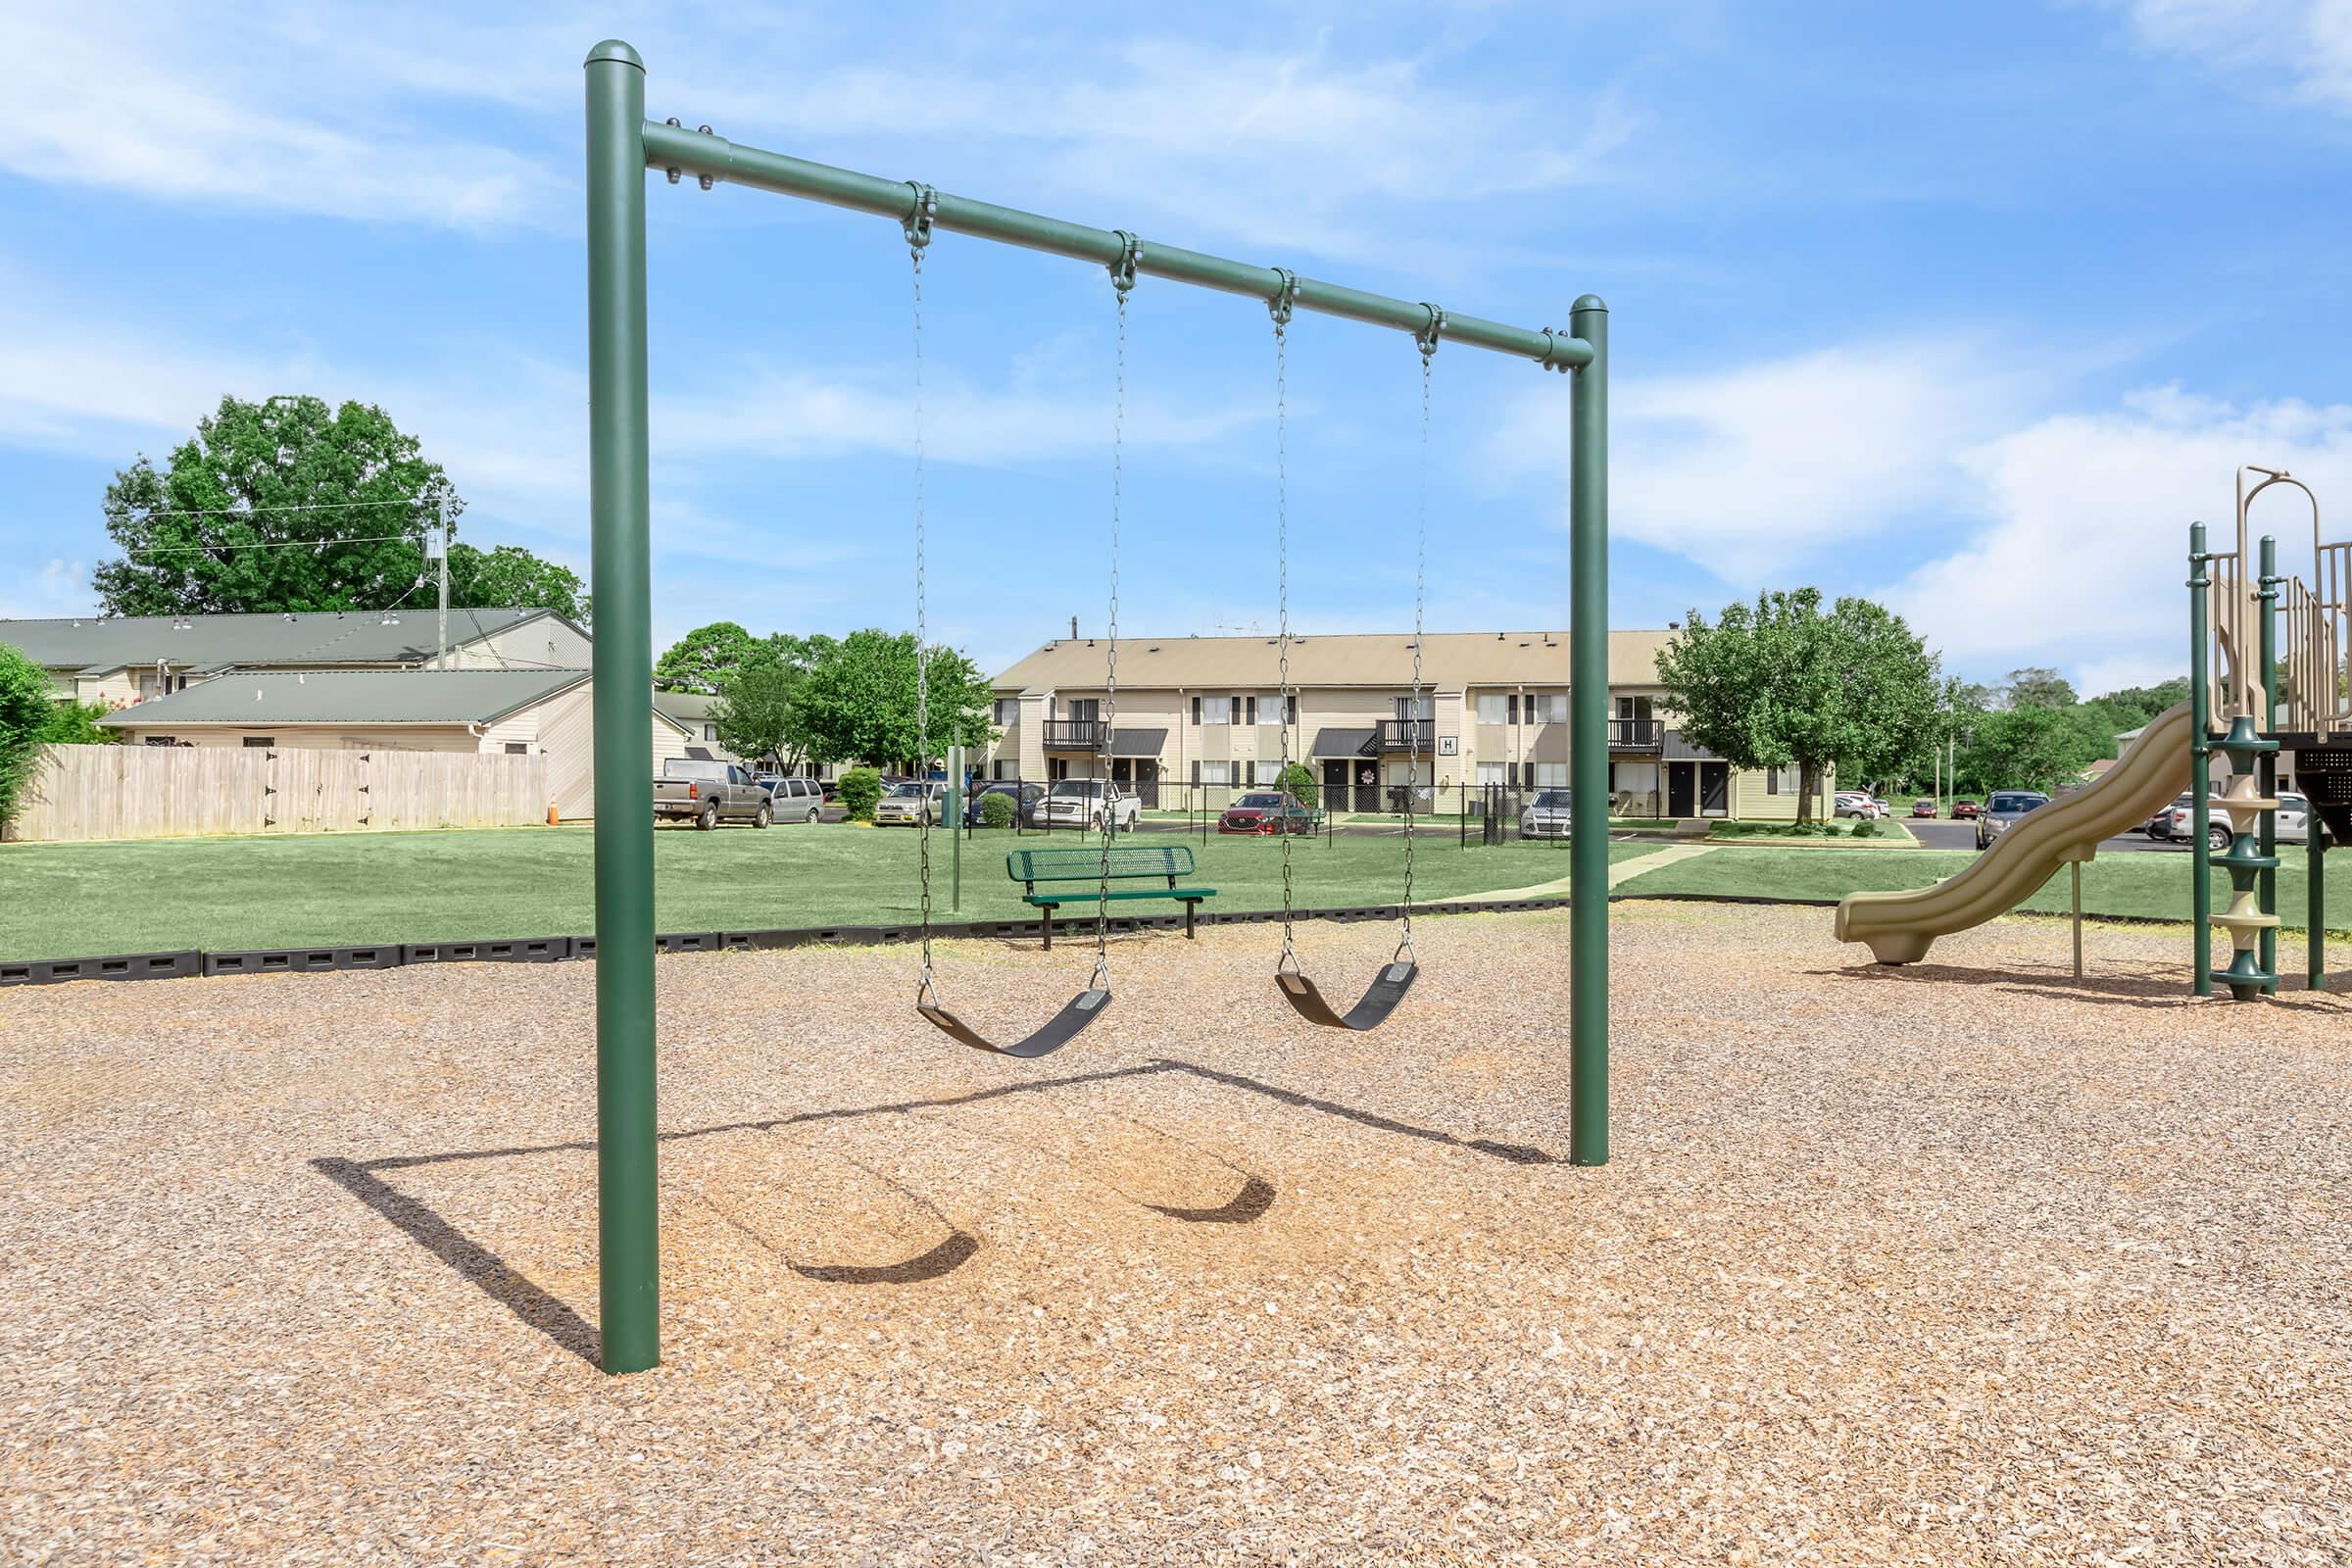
(1024,803)
(1964,810)
(796,799)
(1269,811)
(2172,825)
(909,801)
(1922,807)
(707,794)
(1547,816)
(1859,803)
(1089,802)
(2003,808)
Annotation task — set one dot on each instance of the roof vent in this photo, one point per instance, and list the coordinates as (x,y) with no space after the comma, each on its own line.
(390,619)
(179,623)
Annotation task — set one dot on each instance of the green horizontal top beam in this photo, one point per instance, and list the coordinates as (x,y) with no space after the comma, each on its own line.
(699,155)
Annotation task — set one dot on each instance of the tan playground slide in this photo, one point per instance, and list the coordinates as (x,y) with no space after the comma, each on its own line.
(2153,772)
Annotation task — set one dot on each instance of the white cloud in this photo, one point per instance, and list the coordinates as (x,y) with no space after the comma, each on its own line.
(60,587)
(1745,470)
(2083,555)
(2304,46)
(201,108)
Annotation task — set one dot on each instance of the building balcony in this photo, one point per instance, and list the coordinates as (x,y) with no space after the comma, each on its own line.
(1076,735)
(1637,734)
(1417,735)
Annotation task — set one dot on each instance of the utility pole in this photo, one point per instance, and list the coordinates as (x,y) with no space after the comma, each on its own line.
(436,544)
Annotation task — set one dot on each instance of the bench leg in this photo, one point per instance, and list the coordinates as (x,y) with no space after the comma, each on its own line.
(1047,913)
(1190,904)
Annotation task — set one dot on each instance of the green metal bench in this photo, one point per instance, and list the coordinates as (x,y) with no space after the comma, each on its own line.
(1155,862)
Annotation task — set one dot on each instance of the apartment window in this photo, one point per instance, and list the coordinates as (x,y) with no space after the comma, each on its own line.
(1086,709)
(1058,768)
(1250,716)
(709,732)
(1290,709)
(1008,712)
(1527,775)
(1551,775)
(1214,773)
(1547,708)
(995,772)
(253,740)
(1496,707)
(1212,709)
(163,740)
(1783,780)
(518,747)
(1632,708)
(1423,708)
(1491,773)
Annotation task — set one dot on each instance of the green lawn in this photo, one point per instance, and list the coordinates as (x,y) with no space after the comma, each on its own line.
(82,899)
(2144,885)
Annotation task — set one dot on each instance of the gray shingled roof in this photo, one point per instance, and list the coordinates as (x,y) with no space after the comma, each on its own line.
(350,696)
(211,641)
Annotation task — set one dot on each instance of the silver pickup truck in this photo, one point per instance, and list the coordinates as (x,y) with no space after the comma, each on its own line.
(709,794)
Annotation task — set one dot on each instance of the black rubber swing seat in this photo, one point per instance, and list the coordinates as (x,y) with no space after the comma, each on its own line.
(1058,1031)
(1379,999)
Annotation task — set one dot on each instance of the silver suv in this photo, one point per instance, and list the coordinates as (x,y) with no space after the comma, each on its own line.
(797,799)
(910,802)
(2002,809)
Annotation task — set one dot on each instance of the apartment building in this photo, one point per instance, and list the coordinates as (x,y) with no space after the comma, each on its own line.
(1208,712)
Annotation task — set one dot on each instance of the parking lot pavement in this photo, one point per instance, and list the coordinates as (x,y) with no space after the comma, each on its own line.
(1943,834)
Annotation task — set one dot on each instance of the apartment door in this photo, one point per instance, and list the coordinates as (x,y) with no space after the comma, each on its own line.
(1335,784)
(1147,781)
(1714,789)
(1681,797)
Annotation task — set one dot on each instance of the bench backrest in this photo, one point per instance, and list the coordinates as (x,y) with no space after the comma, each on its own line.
(1084,865)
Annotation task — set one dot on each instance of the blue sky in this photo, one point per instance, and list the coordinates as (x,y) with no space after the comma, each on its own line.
(1971,311)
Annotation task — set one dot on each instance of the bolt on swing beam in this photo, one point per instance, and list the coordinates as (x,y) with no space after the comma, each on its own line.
(621,144)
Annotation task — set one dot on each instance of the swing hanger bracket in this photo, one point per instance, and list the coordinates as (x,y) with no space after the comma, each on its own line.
(1428,336)
(917,221)
(1131,256)
(1286,296)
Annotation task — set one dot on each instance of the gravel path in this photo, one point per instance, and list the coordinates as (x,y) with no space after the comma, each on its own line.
(1949,1265)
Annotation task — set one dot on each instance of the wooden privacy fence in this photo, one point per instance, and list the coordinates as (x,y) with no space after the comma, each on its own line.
(146,792)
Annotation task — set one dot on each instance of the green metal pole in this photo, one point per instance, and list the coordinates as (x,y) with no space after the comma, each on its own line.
(628,1259)
(1589,748)
(2265,595)
(2315,883)
(954,826)
(2200,893)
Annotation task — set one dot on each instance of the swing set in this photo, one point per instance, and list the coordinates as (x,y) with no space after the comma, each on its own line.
(622,146)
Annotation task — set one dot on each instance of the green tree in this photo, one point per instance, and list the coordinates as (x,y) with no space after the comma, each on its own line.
(26,711)
(755,711)
(73,723)
(511,578)
(2028,748)
(1778,684)
(859,790)
(857,701)
(703,658)
(2038,686)
(185,531)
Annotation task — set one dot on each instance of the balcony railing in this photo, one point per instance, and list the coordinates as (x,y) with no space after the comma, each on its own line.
(1636,734)
(1076,735)
(1419,735)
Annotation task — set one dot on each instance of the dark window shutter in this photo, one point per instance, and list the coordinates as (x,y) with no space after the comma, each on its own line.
(1195,718)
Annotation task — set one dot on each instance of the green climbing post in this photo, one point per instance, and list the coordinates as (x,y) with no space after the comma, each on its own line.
(2200,893)
(1589,748)
(628,1258)
(2315,884)
(2265,595)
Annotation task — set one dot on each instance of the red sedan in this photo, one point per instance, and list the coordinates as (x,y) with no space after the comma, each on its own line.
(1964,810)
(1268,813)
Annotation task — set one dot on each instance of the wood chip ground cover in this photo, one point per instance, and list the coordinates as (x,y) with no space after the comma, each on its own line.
(1961,1263)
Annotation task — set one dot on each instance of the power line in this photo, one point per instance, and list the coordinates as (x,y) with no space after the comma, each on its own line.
(302,505)
(286,544)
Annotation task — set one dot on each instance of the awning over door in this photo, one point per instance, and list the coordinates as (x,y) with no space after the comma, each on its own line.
(1137,742)
(1675,748)
(1336,742)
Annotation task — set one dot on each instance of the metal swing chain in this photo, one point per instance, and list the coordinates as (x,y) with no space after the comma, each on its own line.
(1412,745)
(918,235)
(1122,278)
(1280,309)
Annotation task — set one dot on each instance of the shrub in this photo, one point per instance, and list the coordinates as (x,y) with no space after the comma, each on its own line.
(1300,781)
(860,787)
(76,724)
(1868,830)
(26,711)
(995,809)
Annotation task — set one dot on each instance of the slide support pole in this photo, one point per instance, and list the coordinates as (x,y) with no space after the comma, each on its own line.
(1589,741)
(2266,594)
(2200,893)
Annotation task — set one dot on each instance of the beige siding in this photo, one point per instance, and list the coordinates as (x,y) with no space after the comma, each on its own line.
(546,643)
(310,737)
(1753,800)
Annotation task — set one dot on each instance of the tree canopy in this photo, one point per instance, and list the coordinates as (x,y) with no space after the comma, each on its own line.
(703,658)
(1778,684)
(755,714)
(27,709)
(288,504)
(857,701)
(2038,686)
